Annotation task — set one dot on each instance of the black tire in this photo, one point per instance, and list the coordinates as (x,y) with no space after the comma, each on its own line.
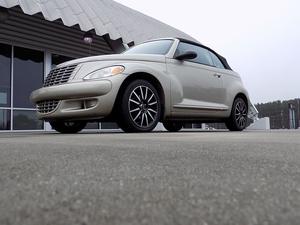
(66,127)
(139,108)
(173,126)
(238,119)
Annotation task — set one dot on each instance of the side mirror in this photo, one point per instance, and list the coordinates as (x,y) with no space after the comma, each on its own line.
(187,55)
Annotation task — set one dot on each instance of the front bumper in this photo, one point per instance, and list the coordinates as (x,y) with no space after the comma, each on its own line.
(85,100)
(72,90)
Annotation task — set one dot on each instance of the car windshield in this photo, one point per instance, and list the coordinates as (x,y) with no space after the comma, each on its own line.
(159,47)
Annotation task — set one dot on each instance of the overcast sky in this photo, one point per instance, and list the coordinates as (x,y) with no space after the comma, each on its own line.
(259,38)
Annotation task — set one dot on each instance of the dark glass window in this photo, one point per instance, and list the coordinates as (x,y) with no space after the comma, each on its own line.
(188,126)
(107,126)
(58,59)
(160,47)
(28,75)
(92,126)
(203,54)
(26,120)
(217,62)
(5,64)
(4,119)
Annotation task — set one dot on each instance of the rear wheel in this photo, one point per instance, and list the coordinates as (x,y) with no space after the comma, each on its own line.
(173,126)
(239,116)
(66,127)
(140,107)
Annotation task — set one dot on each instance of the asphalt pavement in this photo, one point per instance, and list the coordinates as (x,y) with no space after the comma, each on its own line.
(201,178)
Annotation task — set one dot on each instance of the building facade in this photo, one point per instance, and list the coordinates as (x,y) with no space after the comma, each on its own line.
(282,114)
(36,37)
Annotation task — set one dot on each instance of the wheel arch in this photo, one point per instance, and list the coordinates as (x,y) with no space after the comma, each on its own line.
(244,97)
(143,76)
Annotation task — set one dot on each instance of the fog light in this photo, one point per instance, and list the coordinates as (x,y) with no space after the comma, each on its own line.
(90,103)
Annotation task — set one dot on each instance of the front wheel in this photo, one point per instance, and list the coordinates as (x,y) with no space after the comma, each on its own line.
(66,127)
(239,115)
(173,126)
(139,107)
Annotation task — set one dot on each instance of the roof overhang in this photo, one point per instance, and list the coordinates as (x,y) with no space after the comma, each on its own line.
(105,17)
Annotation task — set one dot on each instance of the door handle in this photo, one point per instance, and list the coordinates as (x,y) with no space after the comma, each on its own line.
(218,75)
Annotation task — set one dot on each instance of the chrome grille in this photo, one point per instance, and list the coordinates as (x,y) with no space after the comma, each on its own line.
(59,76)
(47,106)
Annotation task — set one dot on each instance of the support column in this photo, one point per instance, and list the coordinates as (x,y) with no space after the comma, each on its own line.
(47,68)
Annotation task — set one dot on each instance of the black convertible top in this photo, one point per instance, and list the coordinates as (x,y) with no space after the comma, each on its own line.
(222,59)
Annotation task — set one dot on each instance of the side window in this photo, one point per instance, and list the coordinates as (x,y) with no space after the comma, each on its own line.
(203,54)
(217,62)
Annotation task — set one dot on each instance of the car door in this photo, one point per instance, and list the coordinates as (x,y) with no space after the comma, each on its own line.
(196,85)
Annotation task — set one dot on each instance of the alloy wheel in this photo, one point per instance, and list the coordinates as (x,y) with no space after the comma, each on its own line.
(68,127)
(143,106)
(69,124)
(241,114)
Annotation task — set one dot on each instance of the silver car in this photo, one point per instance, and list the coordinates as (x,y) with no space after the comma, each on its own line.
(173,81)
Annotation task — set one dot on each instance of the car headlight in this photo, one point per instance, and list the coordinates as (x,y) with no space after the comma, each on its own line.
(105,72)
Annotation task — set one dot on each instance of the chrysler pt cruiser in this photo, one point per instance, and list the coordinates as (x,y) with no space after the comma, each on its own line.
(173,81)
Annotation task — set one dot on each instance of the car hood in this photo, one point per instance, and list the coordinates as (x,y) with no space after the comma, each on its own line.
(116,57)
